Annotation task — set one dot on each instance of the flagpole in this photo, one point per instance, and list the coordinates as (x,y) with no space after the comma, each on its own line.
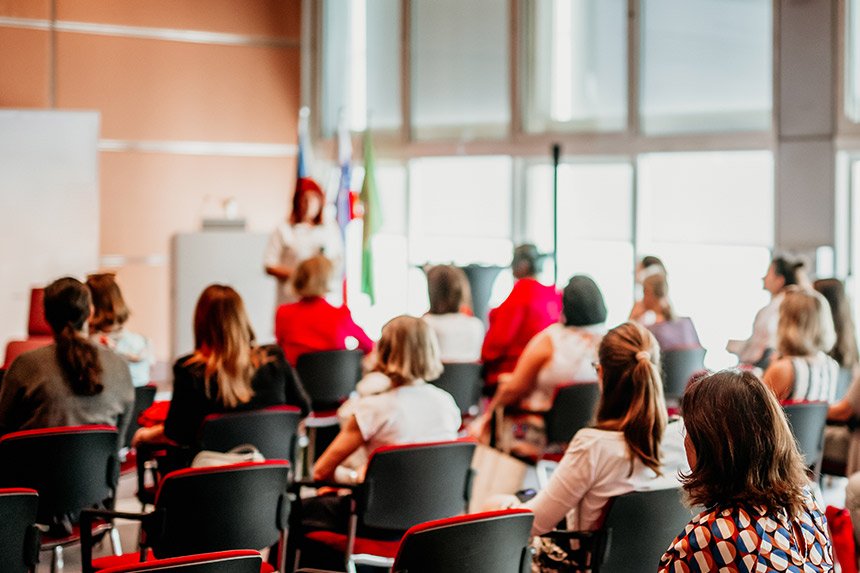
(556,158)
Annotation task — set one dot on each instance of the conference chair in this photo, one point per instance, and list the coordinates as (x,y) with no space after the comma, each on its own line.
(679,366)
(572,409)
(328,377)
(404,485)
(38,330)
(491,542)
(201,510)
(72,468)
(19,536)
(220,562)
(843,382)
(273,431)
(637,529)
(807,421)
(463,381)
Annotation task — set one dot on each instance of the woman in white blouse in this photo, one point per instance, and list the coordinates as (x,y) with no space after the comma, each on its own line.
(460,334)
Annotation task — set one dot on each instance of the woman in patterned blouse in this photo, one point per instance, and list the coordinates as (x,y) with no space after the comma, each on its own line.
(747,472)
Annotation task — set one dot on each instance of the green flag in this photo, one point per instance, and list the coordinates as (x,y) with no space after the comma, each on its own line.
(372,218)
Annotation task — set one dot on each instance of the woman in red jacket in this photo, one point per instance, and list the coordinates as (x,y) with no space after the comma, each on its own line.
(312,324)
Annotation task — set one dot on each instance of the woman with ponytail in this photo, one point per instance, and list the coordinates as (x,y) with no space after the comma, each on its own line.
(631,446)
(71,382)
(226,372)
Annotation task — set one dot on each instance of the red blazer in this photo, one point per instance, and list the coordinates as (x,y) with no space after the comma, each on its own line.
(529,308)
(313,325)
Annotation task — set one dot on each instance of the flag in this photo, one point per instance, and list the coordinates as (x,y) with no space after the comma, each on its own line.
(372,218)
(344,155)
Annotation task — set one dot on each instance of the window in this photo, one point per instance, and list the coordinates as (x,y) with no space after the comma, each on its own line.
(706,65)
(577,72)
(852,61)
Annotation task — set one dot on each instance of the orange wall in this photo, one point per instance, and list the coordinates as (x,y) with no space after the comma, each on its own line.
(166,91)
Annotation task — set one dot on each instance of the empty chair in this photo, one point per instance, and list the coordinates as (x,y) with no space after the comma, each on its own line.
(19,536)
(72,469)
(404,485)
(38,330)
(199,510)
(638,528)
(678,367)
(271,430)
(572,409)
(463,381)
(807,421)
(221,562)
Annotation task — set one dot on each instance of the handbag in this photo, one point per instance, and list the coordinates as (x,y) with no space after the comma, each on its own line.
(237,455)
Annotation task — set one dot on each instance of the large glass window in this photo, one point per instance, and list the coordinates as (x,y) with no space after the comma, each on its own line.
(577,72)
(706,65)
(709,217)
(460,68)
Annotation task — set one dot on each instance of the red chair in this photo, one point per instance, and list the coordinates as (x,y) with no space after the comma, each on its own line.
(72,468)
(404,485)
(492,542)
(19,536)
(220,562)
(200,510)
(39,332)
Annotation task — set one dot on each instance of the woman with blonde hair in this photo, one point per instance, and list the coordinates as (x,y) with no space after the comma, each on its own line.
(226,372)
(671,331)
(803,370)
(312,324)
(748,474)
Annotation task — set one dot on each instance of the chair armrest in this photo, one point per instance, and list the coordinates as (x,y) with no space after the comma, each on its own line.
(86,528)
(297,484)
(305,570)
(592,545)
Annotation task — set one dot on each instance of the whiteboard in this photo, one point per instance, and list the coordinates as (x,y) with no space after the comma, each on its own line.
(49,205)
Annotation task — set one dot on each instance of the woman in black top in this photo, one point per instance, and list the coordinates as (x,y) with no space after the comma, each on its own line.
(226,372)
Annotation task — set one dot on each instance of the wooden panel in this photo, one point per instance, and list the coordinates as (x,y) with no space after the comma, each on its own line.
(40,9)
(276,18)
(24,56)
(157,90)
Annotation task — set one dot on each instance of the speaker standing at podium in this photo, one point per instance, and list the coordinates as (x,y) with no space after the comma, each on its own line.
(301,237)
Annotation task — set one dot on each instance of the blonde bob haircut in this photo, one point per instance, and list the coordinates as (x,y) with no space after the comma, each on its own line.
(313,276)
(408,351)
(805,324)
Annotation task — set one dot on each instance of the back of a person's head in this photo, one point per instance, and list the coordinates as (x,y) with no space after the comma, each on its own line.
(790,268)
(805,323)
(745,452)
(845,350)
(223,341)
(448,289)
(312,277)
(631,398)
(68,304)
(582,302)
(656,287)
(109,308)
(526,261)
(408,351)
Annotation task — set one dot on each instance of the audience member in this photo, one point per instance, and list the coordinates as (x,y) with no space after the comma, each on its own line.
(630,448)
(460,334)
(302,236)
(671,331)
(648,266)
(107,327)
(226,372)
(760,513)
(802,370)
(312,324)
(71,382)
(782,272)
(529,308)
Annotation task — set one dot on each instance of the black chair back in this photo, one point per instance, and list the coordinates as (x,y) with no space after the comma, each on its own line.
(679,365)
(807,421)
(463,381)
(271,430)
(493,542)
(640,526)
(572,409)
(409,484)
(220,562)
(72,468)
(144,396)
(19,536)
(240,506)
(329,376)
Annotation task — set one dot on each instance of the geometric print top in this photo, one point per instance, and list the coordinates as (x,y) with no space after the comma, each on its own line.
(747,539)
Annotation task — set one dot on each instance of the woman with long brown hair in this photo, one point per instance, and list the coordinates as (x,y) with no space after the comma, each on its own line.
(748,474)
(226,372)
(70,382)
